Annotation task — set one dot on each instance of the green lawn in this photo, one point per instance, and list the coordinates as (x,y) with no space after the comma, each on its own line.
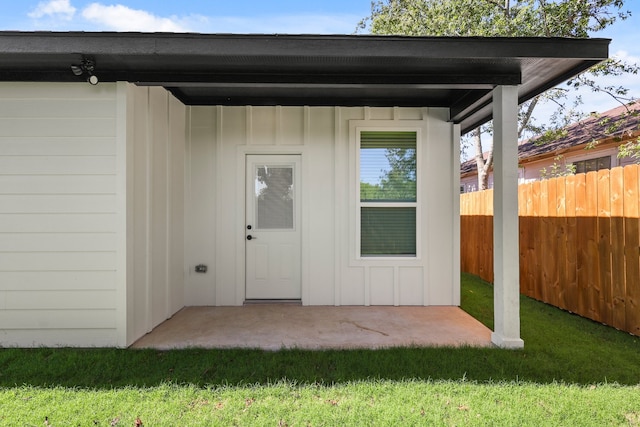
(572,372)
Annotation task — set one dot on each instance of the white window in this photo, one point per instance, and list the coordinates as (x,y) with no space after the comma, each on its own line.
(387,193)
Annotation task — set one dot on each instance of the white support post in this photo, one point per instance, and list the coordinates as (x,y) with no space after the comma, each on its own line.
(506,262)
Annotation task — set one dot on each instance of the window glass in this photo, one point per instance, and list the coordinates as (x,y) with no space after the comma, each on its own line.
(388,194)
(388,166)
(590,165)
(274,197)
(388,231)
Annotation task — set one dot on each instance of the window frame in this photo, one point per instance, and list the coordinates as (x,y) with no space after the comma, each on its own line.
(417,204)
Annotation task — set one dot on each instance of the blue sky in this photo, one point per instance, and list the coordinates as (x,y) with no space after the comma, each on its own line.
(258,16)
(207,16)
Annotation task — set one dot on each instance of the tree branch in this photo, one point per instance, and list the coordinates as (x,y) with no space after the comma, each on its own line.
(527,115)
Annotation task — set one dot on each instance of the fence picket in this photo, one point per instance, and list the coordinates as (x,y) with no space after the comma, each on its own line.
(572,249)
(579,243)
(604,290)
(593,270)
(561,236)
(618,286)
(582,242)
(631,249)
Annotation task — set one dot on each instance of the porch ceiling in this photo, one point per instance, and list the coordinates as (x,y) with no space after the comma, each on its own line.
(315,70)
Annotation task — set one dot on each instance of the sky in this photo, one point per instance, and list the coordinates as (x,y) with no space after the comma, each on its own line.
(265,17)
(204,16)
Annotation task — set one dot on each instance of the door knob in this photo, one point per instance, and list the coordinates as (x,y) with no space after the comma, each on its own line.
(250,237)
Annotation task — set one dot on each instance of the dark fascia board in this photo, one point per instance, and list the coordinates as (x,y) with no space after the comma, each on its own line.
(345,46)
(184,59)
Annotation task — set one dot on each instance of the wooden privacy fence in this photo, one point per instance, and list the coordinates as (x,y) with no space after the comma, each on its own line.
(579,243)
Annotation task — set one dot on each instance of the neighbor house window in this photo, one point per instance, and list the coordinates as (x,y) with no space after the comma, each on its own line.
(590,165)
(387,193)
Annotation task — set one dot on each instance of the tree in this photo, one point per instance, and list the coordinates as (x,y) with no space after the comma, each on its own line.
(516,18)
(397,180)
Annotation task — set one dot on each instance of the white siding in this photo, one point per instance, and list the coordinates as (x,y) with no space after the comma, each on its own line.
(221,137)
(91,212)
(155,204)
(57,214)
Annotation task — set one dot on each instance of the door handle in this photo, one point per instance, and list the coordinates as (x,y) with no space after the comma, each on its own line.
(250,237)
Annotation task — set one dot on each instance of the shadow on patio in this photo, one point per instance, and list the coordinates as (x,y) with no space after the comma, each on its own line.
(278,326)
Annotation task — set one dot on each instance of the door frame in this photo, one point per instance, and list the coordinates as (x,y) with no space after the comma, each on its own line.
(241,177)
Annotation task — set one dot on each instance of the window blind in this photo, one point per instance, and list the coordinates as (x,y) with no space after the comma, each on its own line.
(388,193)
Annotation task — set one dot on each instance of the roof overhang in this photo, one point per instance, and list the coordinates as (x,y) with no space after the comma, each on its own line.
(316,70)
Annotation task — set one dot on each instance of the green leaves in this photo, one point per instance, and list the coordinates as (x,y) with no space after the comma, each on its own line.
(492,18)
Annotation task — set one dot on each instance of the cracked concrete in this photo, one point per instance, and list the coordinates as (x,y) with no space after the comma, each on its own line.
(278,326)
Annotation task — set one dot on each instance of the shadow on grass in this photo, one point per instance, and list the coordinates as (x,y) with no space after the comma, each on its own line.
(558,347)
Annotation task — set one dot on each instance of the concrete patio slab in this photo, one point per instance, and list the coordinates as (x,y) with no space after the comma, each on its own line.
(280,326)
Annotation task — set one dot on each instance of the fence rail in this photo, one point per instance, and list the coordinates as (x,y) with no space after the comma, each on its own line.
(579,243)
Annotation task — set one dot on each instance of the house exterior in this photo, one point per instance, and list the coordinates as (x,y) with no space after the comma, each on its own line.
(589,145)
(218,169)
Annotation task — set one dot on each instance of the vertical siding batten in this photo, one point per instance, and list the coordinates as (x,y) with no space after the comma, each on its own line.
(218,186)
(306,228)
(178,137)
(137,122)
(148,213)
(240,197)
(339,230)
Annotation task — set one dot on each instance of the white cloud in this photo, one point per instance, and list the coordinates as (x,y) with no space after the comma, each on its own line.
(97,16)
(122,18)
(626,56)
(60,9)
(283,24)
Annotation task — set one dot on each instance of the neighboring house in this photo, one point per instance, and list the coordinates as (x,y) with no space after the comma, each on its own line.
(216,169)
(576,147)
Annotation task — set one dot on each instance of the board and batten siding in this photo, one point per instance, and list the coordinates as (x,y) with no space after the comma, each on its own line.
(219,138)
(155,135)
(73,163)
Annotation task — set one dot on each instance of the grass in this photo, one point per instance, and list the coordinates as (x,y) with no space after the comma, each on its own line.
(572,372)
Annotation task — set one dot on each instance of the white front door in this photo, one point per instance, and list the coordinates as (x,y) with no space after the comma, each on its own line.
(272,227)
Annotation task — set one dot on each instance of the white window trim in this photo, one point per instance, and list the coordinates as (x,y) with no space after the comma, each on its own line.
(356,127)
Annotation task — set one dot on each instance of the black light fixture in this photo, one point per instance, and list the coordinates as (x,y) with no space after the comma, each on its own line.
(86,67)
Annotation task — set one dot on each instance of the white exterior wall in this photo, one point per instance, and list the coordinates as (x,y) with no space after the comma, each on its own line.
(155,141)
(88,222)
(220,138)
(58,218)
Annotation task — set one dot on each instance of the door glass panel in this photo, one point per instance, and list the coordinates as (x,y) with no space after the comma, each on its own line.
(274,197)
